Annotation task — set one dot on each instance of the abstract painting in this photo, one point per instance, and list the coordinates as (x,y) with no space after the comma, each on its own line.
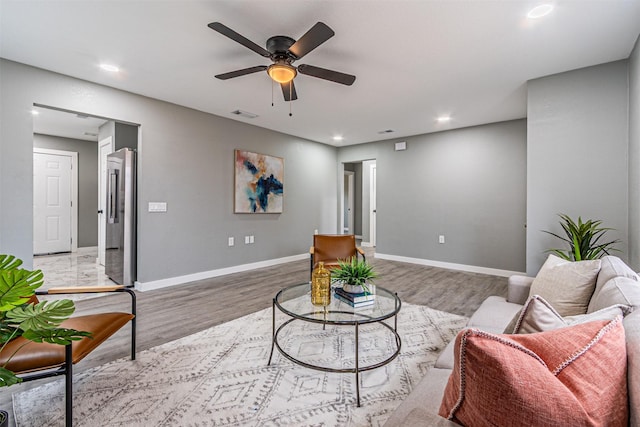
(259,183)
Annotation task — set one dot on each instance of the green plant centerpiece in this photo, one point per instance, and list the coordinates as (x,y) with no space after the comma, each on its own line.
(20,317)
(354,275)
(583,239)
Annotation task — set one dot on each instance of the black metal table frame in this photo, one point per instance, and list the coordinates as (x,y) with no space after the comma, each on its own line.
(356,323)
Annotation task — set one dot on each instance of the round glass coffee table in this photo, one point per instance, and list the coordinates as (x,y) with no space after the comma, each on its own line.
(295,302)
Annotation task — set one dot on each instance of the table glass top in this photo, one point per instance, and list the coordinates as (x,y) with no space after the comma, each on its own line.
(296,301)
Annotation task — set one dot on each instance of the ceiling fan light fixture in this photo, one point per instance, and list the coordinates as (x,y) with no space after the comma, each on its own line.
(281,73)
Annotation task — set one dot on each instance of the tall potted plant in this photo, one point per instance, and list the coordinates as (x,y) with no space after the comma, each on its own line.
(20,317)
(583,239)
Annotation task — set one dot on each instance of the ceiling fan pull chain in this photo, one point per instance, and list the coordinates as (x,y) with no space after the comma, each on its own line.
(290,97)
(272,93)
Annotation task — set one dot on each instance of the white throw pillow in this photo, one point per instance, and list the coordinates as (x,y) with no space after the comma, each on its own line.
(538,315)
(566,285)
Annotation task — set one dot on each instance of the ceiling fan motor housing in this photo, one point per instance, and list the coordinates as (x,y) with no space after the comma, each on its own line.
(279,47)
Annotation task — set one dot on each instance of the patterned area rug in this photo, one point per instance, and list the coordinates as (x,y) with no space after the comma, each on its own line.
(220,377)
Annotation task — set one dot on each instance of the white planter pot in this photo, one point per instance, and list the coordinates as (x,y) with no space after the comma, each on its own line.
(353,289)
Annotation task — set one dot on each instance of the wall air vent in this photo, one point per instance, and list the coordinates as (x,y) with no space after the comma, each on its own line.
(90,134)
(244,114)
(382,132)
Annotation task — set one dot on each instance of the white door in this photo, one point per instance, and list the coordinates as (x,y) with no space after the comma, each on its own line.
(51,203)
(105,147)
(372,221)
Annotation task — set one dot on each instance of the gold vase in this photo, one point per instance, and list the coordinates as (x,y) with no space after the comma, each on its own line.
(321,286)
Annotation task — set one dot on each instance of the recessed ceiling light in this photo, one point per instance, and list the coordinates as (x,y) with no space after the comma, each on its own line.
(443,119)
(110,68)
(337,138)
(35,112)
(540,11)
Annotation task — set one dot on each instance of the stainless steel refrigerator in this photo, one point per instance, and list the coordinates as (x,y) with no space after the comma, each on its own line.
(120,244)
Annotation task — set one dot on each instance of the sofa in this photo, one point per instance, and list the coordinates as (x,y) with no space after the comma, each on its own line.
(615,283)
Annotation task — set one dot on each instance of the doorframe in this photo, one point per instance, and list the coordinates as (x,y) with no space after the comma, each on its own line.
(74,189)
(373,204)
(350,180)
(102,190)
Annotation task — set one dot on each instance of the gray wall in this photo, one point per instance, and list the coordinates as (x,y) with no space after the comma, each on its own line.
(577,164)
(186,160)
(468,184)
(122,134)
(126,136)
(87,182)
(634,157)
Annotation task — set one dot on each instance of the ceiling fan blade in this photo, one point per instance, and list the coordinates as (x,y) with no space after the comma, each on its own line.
(289,95)
(226,31)
(322,73)
(313,38)
(242,72)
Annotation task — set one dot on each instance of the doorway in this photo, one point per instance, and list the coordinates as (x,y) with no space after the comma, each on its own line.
(362,221)
(372,205)
(349,202)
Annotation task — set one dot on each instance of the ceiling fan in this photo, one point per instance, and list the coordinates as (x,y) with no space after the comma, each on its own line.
(283,51)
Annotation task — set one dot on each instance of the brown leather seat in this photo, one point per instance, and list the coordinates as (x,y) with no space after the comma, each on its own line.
(41,360)
(329,248)
(42,356)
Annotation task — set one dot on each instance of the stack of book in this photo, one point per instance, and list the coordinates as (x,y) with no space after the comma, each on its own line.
(355,300)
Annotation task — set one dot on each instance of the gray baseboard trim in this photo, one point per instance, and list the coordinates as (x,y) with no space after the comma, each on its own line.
(449,265)
(180,280)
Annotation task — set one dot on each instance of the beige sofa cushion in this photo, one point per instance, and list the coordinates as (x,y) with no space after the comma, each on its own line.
(566,285)
(611,267)
(538,315)
(619,290)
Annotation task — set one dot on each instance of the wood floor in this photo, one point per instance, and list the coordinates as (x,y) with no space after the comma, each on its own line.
(171,313)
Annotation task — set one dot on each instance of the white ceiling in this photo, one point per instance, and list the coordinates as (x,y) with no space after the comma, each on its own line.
(60,123)
(414,60)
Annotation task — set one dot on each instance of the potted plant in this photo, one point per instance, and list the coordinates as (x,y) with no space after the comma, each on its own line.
(354,275)
(583,239)
(20,317)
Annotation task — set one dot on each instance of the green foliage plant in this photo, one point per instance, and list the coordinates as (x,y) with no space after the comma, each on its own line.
(354,272)
(583,239)
(19,317)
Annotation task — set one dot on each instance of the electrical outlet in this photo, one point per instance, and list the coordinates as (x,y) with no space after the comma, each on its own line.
(246,240)
(231,241)
(251,239)
(441,239)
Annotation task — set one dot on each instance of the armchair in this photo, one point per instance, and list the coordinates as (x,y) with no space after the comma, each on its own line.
(330,248)
(41,360)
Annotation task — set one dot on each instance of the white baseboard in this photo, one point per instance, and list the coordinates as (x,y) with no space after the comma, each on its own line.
(366,244)
(449,265)
(179,280)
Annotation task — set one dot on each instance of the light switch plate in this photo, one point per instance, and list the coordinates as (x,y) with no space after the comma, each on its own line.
(157,206)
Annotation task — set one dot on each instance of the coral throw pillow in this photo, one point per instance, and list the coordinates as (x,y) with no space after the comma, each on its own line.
(574,376)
